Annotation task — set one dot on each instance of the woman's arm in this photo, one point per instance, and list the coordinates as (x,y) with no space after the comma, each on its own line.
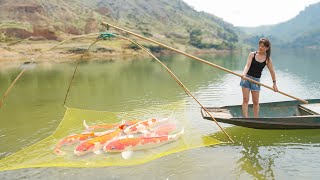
(273,75)
(248,64)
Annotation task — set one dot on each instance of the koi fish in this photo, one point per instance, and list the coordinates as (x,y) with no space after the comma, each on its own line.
(108,126)
(142,126)
(126,145)
(95,144)
(72,139)
(162,130)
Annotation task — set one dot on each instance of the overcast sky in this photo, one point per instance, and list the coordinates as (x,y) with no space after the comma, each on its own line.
(252,12)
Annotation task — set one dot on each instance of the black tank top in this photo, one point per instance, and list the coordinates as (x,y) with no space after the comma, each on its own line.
(256,67)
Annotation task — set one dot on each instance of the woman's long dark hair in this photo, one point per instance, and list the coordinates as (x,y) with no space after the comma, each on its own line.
(267,44)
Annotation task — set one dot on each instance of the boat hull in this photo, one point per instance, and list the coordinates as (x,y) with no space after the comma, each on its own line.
(277,115)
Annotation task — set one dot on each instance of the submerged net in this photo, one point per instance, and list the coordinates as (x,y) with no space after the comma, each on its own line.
(42,153)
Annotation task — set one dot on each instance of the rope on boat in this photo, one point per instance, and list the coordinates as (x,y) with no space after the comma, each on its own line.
(198,59)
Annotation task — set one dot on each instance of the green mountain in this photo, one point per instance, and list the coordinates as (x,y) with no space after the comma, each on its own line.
(171,21)
(301,31)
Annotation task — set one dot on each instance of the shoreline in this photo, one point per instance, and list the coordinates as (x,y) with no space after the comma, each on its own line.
(39,51)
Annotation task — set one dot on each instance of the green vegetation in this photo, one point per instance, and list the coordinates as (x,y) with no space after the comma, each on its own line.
(171,22)
(155,49)
(197,41)
(14,24)
(5,38)
(152,48)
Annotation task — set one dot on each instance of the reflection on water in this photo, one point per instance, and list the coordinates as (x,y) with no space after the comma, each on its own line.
(262,150)
(34,108)
(254,164)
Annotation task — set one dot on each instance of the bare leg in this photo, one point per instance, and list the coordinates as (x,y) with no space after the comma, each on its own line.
(255,101)
(245,101)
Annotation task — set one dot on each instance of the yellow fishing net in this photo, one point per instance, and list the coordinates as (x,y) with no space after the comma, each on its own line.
(42,153)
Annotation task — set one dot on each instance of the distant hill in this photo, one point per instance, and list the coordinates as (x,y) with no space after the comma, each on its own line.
(301,31)
(172,21)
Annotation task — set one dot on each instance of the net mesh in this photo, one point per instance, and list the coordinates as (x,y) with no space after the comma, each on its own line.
(42,153)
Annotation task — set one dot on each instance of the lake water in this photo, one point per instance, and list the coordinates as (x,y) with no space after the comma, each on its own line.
(34,108)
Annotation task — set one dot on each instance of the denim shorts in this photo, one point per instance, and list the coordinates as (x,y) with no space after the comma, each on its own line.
(250,85)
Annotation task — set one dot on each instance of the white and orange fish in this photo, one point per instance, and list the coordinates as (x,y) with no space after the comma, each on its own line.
(109,126)
(127,145)
(162,130)
(95,144)
(72,139)
(143,126)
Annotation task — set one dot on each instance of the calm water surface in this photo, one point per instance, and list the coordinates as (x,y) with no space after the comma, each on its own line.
(34,108)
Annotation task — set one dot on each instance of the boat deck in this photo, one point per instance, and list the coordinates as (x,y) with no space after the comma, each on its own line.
(217,113)
(313,109)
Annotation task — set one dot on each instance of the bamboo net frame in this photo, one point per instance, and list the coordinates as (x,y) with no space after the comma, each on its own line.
(198,59)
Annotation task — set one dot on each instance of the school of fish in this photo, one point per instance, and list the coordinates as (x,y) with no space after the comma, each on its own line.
(124,137)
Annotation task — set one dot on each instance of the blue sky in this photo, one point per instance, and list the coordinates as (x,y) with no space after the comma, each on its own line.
(252,12)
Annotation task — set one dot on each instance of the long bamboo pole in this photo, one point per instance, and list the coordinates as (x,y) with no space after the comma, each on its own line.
(10,87)
(179,82)
(199,59)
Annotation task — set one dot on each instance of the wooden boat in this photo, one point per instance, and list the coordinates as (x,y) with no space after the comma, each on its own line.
(273,115)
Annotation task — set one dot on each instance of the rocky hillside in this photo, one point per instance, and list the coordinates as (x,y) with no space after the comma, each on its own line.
(172,21)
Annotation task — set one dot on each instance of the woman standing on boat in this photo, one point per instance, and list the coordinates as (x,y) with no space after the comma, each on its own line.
(255,63)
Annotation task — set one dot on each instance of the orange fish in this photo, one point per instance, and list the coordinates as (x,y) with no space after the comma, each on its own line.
(162,130)
(72,139)
(142,125)
(108,126)
(95,144)
(128,144)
